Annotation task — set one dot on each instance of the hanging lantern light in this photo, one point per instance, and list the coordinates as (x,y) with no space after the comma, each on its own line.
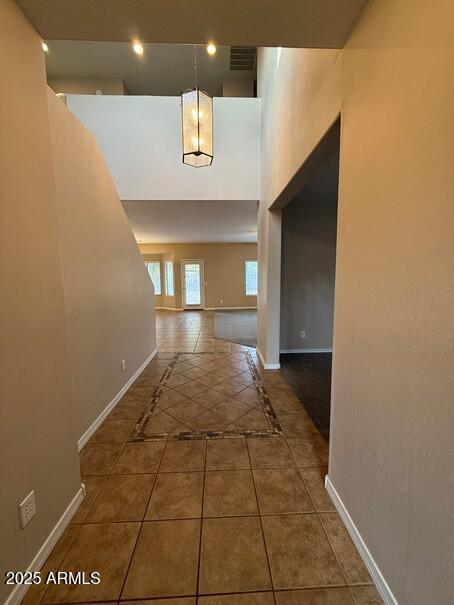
(197,117)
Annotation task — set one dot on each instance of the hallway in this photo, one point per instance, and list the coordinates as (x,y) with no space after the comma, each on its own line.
(168,168)
(235,518)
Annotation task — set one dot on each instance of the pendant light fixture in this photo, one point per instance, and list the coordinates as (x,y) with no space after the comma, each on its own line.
(197,121)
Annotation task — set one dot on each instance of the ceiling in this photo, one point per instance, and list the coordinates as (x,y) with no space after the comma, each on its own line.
(168,222)
(293,23)
(163,69)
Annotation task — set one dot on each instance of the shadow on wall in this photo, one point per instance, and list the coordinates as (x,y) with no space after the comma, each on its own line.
(309,233)
(309,230)
(109,296)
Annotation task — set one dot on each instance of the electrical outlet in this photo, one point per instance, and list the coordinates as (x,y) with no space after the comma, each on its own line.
(303,334)
(123,365)
(221,301)
(27,509)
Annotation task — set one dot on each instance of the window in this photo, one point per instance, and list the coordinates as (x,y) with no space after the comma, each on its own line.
(154,271)
(251,277)
(168,273)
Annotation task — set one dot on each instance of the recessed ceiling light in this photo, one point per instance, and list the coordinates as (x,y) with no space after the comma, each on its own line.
(211,48)
(138,48)
(44,47)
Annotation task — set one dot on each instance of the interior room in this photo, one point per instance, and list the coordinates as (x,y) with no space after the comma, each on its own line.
(227,302)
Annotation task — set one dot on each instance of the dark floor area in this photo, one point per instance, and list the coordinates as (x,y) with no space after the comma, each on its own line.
(310,376)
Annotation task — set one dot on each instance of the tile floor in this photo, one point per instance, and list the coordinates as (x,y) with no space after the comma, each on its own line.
(226,520)
(196,395)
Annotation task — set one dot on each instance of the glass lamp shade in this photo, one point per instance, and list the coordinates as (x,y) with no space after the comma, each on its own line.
(197,115)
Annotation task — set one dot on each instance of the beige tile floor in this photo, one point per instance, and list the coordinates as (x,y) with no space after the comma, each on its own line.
(230,521)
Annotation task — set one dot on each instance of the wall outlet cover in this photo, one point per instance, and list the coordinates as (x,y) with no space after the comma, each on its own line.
(27,509)
(303,334)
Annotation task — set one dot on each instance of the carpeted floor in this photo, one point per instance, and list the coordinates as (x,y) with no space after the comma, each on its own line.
(236,326)
(310,376)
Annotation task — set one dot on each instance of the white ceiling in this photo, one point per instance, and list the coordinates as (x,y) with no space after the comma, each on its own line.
(163,69)
(167,222)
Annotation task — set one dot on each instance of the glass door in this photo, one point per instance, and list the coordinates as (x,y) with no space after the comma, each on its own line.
(192,281)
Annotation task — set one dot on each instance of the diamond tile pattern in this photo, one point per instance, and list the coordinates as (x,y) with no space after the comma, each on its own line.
(238,516)
(205,394)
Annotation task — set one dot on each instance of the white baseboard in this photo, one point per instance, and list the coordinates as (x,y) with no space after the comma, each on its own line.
(377,576)
(110,406)
(20,590)
(170,308)
(207,309)
(267,366)
(306,350)
(229,308)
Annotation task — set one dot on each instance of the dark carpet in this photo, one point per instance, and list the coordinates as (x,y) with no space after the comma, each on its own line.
(236,326)
(310,376)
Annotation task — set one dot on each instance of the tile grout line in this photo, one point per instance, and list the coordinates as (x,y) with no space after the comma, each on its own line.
(201,525)
(152,599)
(261,523)
(141,525)
(198,338)
(249,515)
(105,480)
(221,469)
(79,525)
(332,548)
(41,598)
(320,520)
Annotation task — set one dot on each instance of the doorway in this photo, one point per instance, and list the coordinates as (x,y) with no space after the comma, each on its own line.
(308,267)
(192,281)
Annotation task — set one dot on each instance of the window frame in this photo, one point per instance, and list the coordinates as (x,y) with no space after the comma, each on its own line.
(155,262)
(166,283)
(252,260)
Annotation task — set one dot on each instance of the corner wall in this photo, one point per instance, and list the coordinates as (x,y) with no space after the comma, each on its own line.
(300,96)
(391,454)
(38,444)
(109,296)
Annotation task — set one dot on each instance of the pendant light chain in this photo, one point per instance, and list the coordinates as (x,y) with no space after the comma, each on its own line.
(196,76)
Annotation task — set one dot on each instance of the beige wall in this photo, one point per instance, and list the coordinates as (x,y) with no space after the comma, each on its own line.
(301,97)
(393,390)
(296,112)
(38,449)
(391,453)
(109,296)
(87,86)
(75,297)
(224,271)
